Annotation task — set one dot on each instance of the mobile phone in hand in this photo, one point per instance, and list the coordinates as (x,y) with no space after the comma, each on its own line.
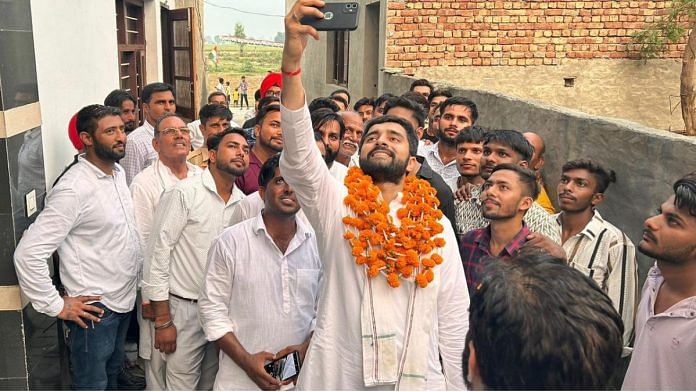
(285,368)
(337,17)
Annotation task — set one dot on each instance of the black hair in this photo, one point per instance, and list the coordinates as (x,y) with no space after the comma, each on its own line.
(214,140)
(513,139)
(340,99)
(603,176)
(526,176)
(417,98)
(364,101)
(382,98)
(341,91)
(421,82)
(536,323)
(268,170)
(416,109)
(463,102)
(164,116)
(116,98)
(473,134)
(323,116)
(89,116)
(257,95)
(215,94)
(411,135)
(214,110)
(156,87)
(685,193)
(265,101)
(263,112)
(439,93)
(323,102)
(221,80)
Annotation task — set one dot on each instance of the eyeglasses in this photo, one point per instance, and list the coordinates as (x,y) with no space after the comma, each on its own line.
(173,131)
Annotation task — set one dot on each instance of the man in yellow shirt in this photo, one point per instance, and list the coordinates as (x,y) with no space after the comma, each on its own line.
(536,164)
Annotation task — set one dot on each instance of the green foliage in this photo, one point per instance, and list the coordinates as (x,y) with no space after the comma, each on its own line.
(254,59)
(279,38)
(669,29)
(239,30)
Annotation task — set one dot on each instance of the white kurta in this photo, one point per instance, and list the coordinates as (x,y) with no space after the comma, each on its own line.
(334,359)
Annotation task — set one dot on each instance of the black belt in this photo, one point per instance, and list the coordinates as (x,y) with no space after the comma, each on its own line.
(195,301)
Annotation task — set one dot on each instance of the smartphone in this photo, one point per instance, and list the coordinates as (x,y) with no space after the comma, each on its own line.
(285,368)
(337,16)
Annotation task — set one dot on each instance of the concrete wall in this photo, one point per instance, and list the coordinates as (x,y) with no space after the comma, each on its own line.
(76,65)
(647,161)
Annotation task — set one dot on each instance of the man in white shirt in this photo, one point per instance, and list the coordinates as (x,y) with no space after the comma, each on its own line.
(172,143)
(88,219)
(331,127)
(213,118)
(369,334)
(260,289)
(197,137)
(189,216)
(351,137)
(594,246)
(157,98)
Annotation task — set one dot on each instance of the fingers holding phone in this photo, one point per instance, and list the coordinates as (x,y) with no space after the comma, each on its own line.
(255,369)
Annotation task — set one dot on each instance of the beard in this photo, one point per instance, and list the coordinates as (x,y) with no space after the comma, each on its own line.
(267,143)
(229,169)
(130,126)
(381,171)
(446,139)
(108,153)
(675,256)
(330,156)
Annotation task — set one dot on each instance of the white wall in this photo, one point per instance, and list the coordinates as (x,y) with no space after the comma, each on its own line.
(76,65)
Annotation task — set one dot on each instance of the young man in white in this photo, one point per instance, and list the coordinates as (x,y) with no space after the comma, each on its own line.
(260,289)
(189,216)
(172,142)
(369,334)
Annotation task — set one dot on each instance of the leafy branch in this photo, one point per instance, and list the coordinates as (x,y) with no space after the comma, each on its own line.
(671,28)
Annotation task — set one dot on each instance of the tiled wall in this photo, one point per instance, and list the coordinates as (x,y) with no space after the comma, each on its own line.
(31,355)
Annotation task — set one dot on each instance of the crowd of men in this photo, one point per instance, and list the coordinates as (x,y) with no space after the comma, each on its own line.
(230,243)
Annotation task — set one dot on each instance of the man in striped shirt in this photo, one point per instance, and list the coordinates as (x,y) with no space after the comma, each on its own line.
(594,246)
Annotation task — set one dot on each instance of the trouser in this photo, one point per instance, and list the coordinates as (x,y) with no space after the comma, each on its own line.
(244,99)
(153,360)
(97,352)
(194,363)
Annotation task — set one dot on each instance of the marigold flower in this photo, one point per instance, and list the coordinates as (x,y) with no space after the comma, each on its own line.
(421,280)
(393,280)
(429,274)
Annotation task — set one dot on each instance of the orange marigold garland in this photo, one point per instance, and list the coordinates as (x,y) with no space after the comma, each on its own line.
(378,244)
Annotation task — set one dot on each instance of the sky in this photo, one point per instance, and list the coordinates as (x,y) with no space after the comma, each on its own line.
(219,20)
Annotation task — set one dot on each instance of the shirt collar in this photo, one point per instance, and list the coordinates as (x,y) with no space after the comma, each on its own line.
(149,128)
(209,182)
(97,171)
(425,171)
(303,231)
(592,228)
(483,240)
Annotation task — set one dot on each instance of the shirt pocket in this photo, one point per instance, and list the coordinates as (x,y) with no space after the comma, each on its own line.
(307,289)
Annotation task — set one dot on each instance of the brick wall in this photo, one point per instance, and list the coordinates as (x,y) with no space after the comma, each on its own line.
(430,33)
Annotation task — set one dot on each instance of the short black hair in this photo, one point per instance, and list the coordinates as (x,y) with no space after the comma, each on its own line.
(214,140)
(382,98)
(421,82)
(341,91)
(322,116)
(115,98)
(364,101)
(215,94)
(257,94)
(685,193)
(159,121)
(417,110)
(417,98)
(156,87)
(323,102)
(411,135)
(265,101)
(439,93)
(536,323)
(452,101)
(340,99)
(513,139)
(263,112)
(89,116)
(526,176)
(268,170)
(474,134)
(603,176)
(214,110)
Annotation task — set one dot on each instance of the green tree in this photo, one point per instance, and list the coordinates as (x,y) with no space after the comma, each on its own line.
(679,22)
(239,30)
(279,38)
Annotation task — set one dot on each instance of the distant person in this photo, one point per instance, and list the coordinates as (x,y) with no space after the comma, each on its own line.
(213,119)
(365,107)
(228,91)
(537,164)
(269,142)
(536,324)
(379,104)
(422,86)
(235,98)
(436,98)
(343,93)
(221,85)
(340,101)
(243,88)
(663,353)
(323,102)
(271,85)
(125,101)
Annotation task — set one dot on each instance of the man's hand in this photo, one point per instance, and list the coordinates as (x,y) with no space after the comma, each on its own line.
(540,241)
(165,339)
(75,309)
(296,33)
(147,312)
(253,365)
(464,192)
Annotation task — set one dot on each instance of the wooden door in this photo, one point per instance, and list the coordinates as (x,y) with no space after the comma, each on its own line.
(181,60)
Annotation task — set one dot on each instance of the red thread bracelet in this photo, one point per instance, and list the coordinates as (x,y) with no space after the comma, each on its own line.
(293,73)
